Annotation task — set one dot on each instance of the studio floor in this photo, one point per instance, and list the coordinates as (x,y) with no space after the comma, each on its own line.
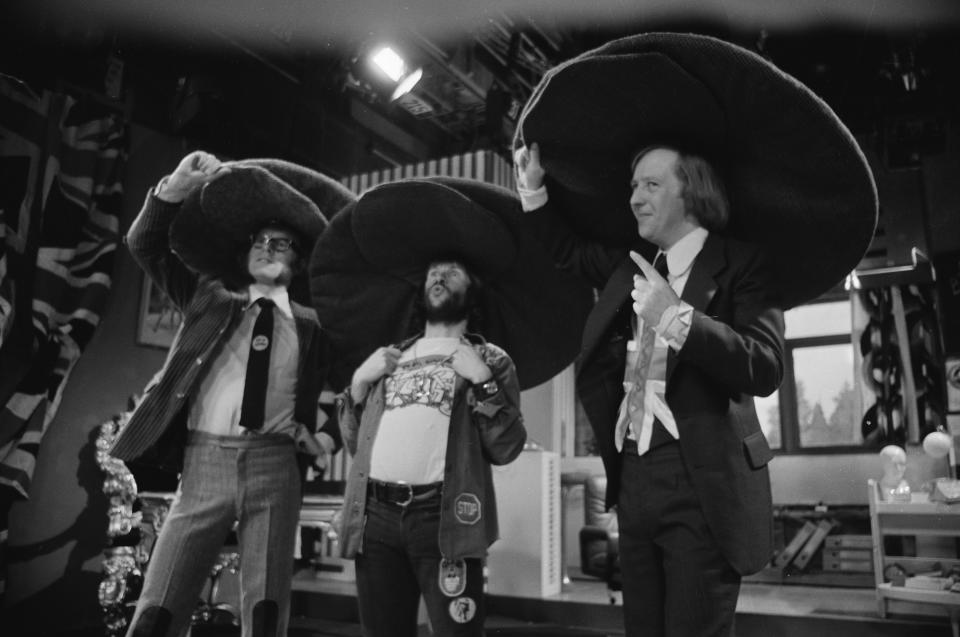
(583,608)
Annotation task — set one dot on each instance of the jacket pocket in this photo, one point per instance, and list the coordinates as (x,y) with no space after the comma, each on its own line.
(757,450)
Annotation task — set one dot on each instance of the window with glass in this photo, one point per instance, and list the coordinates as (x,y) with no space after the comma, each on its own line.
(818,405)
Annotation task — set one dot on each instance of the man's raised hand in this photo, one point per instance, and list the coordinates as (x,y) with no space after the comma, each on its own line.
(530,172)
(382,362)
(194,170)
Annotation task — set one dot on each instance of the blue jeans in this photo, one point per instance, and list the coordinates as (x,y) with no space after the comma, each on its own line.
(400,560)
(252,480)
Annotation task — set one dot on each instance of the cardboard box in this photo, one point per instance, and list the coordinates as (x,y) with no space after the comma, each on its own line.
(841,540)
(850,566)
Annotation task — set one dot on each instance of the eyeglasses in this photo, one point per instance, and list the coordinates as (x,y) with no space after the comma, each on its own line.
(273,244)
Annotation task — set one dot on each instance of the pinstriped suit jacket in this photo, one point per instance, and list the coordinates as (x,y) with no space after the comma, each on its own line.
(210,310)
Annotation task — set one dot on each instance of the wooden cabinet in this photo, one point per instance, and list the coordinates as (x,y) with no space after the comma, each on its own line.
(917,519)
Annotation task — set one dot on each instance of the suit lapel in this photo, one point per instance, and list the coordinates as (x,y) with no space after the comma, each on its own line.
(698,292)
(614,294)
(702,284)
(305,330)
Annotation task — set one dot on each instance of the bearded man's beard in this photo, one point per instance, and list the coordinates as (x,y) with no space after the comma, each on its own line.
(451,310)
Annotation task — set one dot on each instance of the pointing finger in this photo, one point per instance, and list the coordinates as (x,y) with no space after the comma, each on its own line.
(520,157)
(644,265)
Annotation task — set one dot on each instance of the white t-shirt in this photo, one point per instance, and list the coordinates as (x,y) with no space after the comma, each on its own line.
(411,443)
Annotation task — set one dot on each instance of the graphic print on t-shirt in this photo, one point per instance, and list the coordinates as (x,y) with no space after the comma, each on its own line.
(427,381)
(411,441)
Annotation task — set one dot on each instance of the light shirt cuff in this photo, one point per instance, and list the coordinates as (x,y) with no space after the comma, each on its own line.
(160,184)
(674,325)
(532,199)
(161,192)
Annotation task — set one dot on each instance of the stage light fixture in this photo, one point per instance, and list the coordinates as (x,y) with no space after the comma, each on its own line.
(406,84)
(391,64)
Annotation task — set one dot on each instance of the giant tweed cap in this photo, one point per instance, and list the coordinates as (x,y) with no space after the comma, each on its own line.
(212,230)
(799,186)
(367,271)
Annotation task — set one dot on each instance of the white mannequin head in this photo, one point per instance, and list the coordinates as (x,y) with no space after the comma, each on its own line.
(894,463)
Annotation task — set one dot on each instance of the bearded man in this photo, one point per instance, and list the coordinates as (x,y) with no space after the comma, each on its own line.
(420,482)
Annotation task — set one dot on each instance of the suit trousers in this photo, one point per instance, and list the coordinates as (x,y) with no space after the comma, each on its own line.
(252,480)
(676,582)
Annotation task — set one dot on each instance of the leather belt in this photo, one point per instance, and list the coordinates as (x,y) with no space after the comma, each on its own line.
(401,493)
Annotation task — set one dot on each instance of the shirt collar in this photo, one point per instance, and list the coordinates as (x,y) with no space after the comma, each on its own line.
(473,339)
(681,254)
(278,295)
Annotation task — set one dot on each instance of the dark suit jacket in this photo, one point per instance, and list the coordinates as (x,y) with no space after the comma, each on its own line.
(734,351)
(156,431)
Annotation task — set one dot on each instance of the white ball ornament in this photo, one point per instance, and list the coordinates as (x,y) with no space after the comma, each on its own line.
(936,444)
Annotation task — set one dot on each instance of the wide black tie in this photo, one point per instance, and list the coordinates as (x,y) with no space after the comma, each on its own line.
(252,410)
(660,264)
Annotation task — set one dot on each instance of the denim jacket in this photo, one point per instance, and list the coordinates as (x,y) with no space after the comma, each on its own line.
(482,433)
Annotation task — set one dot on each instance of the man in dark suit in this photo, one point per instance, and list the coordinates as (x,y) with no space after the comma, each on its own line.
(235,424)
(670,362)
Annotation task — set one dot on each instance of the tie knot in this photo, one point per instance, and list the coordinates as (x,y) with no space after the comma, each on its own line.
(660,264)
(265,303)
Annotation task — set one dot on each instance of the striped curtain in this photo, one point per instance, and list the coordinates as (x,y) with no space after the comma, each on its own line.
(61,161)
(482,165)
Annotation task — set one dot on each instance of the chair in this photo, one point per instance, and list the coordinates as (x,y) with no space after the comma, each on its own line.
(599,537)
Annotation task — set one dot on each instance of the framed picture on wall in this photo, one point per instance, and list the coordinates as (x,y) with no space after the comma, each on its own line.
(158,320)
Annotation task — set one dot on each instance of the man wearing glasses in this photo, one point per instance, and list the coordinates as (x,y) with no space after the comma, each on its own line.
(237,397)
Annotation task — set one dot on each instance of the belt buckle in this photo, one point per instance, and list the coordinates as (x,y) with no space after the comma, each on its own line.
(409,494)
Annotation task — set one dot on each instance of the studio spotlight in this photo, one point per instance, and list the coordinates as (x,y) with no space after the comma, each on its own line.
(406,83)
(395,68)
(388,61)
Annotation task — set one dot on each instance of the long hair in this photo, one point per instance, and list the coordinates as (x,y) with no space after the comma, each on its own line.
(703,192)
